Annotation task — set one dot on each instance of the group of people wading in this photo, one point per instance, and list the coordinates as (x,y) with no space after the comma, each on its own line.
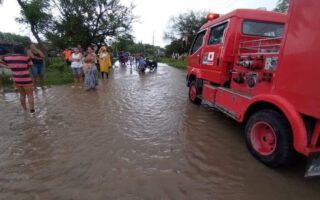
(86,64)
(22,62)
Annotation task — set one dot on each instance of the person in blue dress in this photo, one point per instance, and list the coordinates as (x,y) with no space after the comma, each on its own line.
(90,70)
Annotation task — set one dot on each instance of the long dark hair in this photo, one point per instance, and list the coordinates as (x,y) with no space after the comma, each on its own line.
(19,49)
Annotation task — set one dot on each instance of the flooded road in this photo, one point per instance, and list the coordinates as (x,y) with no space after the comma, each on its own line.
(135,137)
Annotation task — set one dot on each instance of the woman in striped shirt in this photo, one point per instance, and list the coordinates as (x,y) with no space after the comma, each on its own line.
(20,64)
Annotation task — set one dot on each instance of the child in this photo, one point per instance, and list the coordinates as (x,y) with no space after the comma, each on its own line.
(20,64)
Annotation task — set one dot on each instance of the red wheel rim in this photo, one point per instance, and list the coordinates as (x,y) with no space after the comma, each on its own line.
(193,92)
(263,138)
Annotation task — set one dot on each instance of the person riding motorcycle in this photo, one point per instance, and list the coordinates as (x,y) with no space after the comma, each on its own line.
(123,58)
(142,64)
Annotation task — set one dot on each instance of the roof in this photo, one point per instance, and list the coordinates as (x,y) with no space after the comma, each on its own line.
(260,15)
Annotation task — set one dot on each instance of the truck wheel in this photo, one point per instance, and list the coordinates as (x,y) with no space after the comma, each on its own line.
(269,138)
(193,93)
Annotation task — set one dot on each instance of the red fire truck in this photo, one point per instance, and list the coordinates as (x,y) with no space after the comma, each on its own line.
(260,68)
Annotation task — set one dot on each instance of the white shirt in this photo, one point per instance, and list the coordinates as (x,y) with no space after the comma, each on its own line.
(76,64)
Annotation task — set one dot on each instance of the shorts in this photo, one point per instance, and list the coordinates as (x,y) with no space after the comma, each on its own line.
(37,70)
(76,71)
(25,89)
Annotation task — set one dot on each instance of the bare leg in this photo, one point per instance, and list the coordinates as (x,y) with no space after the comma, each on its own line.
(29,93)
(38,80)
(80,80)
(22,97)
(41,81)
(34,82)
(75,79)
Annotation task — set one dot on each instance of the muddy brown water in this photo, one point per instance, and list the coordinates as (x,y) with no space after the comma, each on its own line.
(135,137)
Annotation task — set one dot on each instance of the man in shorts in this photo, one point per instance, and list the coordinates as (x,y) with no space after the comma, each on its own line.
(37,69)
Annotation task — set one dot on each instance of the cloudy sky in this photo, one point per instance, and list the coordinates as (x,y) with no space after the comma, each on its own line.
(153,14)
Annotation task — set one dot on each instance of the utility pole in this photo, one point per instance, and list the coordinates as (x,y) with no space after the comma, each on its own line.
(153,39)
(154,48)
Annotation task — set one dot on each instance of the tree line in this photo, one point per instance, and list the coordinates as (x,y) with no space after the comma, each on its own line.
(66,23)
(183,28)
(14,38)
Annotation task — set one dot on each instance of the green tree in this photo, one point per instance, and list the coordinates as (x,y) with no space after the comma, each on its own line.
(85,22)
(282,6)
(123,43)
(137,48)
(36,14)
(176,46)
(184,28)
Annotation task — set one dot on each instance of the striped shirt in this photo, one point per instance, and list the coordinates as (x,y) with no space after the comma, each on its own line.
(19,65)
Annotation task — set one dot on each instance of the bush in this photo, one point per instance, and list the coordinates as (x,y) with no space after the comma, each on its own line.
(180,64)
(57,72)
(57,64)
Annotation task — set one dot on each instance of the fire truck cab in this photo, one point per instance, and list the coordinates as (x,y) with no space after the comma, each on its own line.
(260,68)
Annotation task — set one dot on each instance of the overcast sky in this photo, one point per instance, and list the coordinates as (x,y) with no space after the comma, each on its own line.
(153,14)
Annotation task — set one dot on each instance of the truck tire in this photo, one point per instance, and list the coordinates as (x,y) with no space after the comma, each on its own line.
(269,138)
(193,93)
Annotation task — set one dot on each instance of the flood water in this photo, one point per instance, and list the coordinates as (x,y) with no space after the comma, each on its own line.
(136,137)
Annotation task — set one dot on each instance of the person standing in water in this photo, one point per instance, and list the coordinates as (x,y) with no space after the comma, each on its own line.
(90,70)
(76,66)
(37,69)
(20,64)
(104,62)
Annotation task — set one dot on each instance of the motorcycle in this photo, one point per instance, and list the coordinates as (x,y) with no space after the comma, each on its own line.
(123,61)
(151,64)
(144,64)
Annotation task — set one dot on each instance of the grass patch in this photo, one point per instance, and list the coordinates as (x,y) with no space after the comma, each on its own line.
(56,73)
(6,81)
(57,78)
(180,64)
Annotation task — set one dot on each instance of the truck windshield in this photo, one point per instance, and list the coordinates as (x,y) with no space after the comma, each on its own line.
(264,29)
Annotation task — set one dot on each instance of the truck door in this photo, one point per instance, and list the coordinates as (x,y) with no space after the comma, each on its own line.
(196,50)
(212,53)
